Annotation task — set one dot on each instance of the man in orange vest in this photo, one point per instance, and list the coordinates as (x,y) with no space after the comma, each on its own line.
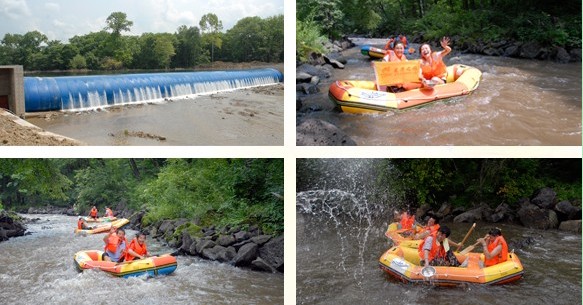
(137,248)
(82,224)
(431,228)
(115,245)
(434,250)
(495,247)
(93,213)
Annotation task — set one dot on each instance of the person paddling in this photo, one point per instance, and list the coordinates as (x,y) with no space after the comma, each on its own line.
(137,248)
(495,247)
(82,224)
(115,245)
(433,70)
(108,212)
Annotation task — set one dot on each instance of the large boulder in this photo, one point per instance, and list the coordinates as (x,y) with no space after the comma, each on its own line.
(314,132)
(560,55)
(533,216)
(565,210)
(262,265)
(204,244)
(219,253)
(530,50)
(261,239)
(480,212)
(544,198)
(225,240)
(10,226)
(272,253)
(571,225)
(246,254)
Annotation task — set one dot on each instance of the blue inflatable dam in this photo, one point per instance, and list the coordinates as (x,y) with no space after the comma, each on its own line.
(98,91)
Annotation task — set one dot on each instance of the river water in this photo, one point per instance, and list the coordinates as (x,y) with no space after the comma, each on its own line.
(337,263)
(340,237)
(518,102)
(39,269)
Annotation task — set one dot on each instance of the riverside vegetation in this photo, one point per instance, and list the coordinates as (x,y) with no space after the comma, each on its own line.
(229,210)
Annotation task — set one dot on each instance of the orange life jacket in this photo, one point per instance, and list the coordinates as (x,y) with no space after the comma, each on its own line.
(407,221)
(108,212)
(391,56)
(93,212)
(437,68)
(502,256)
(136,247)
(80,224)
(112,242)
(437,250)
(432,229)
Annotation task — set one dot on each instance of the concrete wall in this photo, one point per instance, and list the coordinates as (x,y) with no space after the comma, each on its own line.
(12,85)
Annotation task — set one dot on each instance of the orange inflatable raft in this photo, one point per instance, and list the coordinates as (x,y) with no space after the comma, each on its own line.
(363,97)
(155,265)
(403,264)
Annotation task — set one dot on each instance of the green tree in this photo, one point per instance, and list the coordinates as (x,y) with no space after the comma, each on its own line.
(117,22)
(78,62)
(188,47)
(211,28)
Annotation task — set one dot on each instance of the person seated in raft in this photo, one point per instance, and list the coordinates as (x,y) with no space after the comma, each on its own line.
(108,212)
(433,70)
(431,228)
(137,248)
(434,250)
(93,213)
(495,247)
(82,224)
(115,245)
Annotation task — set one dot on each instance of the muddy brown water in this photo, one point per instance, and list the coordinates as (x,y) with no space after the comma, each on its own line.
(518,102)
(39,269)
(252,116)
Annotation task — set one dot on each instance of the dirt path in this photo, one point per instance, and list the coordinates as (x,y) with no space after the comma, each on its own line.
(17,132)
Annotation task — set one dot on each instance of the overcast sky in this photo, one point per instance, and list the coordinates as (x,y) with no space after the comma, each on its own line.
(63,19)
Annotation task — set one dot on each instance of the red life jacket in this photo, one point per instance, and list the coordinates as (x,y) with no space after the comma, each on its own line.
(437,250)
(136,247)
(437,68)
(93,212)
(502,256)
(80,224)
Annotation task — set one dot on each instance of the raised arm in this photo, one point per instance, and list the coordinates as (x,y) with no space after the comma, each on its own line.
(445,45)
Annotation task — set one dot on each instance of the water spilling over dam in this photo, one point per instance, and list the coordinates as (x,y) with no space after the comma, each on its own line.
(72,93)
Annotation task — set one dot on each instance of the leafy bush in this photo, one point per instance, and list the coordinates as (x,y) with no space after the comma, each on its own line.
(308,39)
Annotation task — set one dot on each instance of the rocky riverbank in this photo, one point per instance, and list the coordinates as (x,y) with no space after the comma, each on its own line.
(541,211)
(249,248)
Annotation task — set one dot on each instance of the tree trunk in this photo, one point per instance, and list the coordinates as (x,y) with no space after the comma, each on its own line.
(135,169)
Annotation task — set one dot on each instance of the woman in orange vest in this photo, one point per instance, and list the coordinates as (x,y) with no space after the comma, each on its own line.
(93,213)
(115,245)
(433,70)
(495,247)
(137,248)
(434,250)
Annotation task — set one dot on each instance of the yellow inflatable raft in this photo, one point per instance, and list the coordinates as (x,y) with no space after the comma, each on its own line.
(155,265)
(403,264)
(362,96)
(105,227)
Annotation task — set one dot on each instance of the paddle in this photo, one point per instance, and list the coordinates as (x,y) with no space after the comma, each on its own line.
(466,237)
(469,249)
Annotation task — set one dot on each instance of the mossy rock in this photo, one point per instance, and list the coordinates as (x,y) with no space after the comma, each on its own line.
(190,228)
